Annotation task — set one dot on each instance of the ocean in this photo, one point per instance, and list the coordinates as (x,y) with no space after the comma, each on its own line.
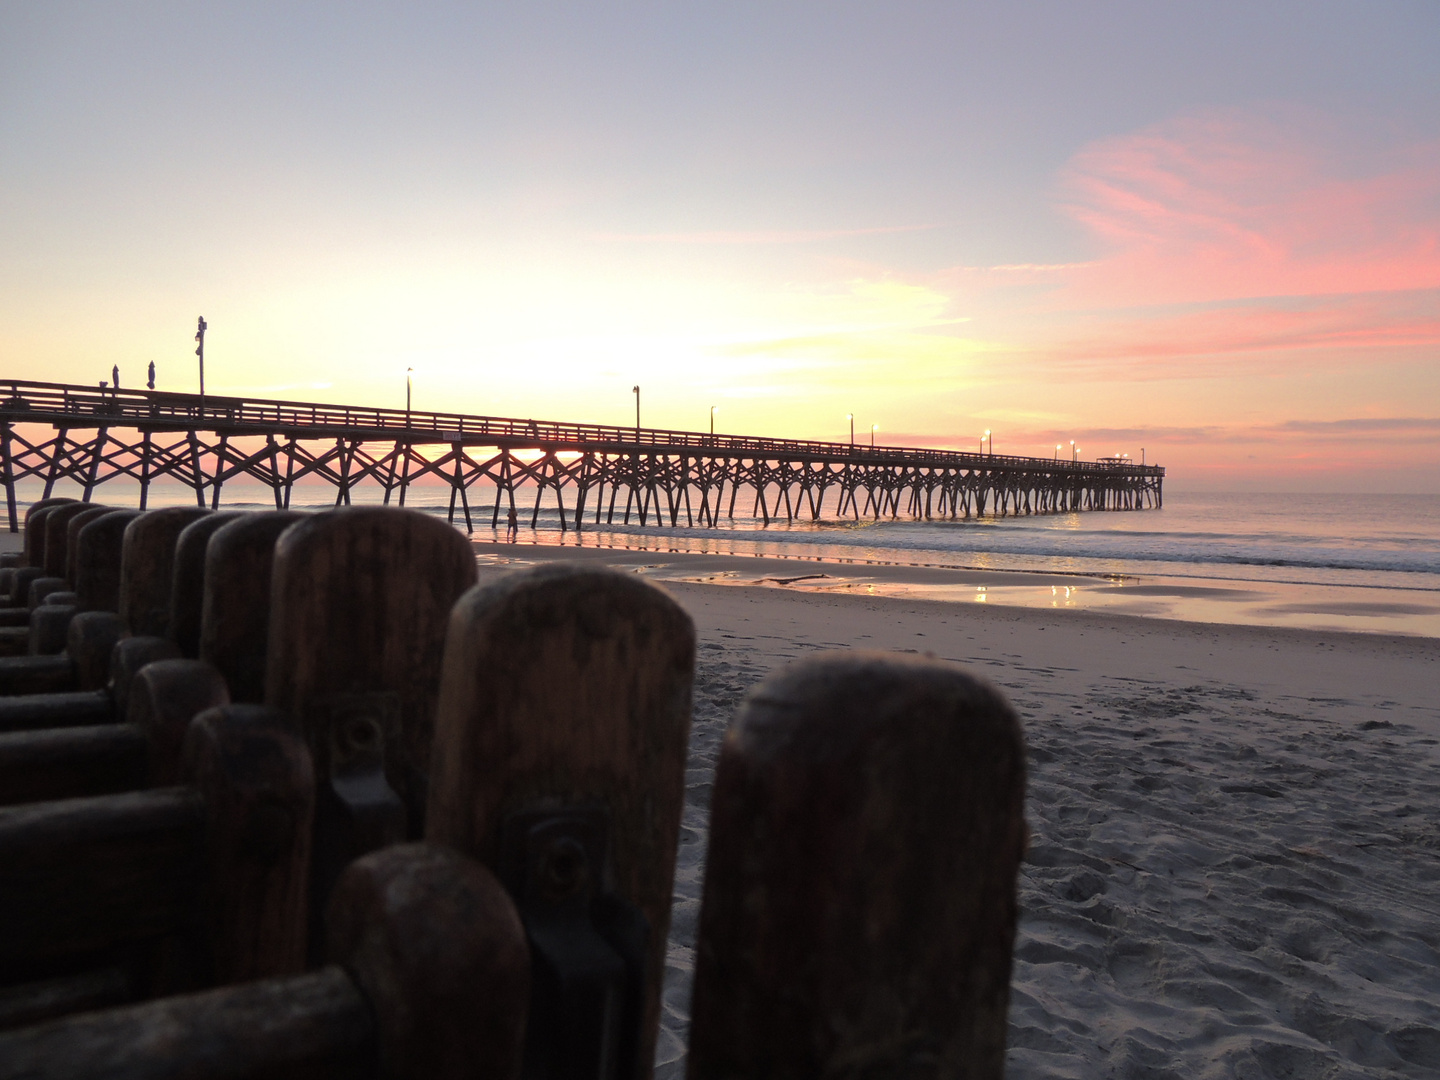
(1367,563)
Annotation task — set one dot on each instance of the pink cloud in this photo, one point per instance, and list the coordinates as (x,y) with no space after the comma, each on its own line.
(1229,205)
(1216,340)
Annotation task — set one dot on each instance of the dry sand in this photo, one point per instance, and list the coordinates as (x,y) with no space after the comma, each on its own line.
(1235,866)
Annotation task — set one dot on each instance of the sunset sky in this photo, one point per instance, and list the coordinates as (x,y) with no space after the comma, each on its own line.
(1212,231)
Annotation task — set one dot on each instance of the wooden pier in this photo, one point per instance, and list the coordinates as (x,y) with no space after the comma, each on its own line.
(93,436)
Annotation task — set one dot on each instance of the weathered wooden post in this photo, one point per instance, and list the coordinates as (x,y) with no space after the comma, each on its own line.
(187,579)
(867,825)
(98,560)
(43,631)
(156,695)
(99,557)
(234,623)
(15,619)
(239,600)
(217,865)
(428,981)
(147,568)
(257,781)
(57,538)
(72,537)
(559,761)
(35,517)
(11,593)
(436,945)
(360,598)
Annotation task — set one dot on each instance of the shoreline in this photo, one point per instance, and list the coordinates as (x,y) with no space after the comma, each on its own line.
(1337,609)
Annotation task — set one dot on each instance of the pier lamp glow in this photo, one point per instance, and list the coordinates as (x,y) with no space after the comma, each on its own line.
(636,391)
(851,418)
(873,428)
(712,418)
(1072,449)
(1057,451)
(409,371)
(991,440)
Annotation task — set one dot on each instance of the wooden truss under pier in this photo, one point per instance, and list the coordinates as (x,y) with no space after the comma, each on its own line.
(54,432)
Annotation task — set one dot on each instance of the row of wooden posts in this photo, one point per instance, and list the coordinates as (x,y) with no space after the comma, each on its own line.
(290,794)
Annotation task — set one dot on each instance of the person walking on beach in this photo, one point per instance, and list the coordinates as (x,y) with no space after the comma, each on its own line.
(151,383)
(513,531)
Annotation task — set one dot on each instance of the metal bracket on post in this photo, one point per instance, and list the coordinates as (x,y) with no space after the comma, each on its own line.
(357,811)
(587,945)
(373,814)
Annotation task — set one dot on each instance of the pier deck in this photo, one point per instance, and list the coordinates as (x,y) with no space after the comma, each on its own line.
(103,435)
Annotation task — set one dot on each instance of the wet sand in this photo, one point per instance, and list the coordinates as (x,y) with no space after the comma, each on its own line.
(1227,601)
(1235,865)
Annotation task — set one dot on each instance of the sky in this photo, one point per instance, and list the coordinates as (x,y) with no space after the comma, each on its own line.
(1208,233)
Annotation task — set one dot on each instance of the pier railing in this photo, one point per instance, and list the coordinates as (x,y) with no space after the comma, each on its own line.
(81,406)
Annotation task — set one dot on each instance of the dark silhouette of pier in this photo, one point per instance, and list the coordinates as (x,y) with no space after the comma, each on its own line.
(103,435)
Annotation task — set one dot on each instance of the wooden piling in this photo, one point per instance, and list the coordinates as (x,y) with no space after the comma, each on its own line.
(569,686)
(147,567)
(859,907)
(235,620)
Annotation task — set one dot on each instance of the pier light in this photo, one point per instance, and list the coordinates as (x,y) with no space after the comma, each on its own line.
(873,428)
(851,418)
(990,438)
(1057,451)
(201,327)
(1072,449)
(712,418)
(636,391)
(409,371)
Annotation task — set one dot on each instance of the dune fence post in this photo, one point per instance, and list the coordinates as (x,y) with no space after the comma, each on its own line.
(559,762)
(858,917)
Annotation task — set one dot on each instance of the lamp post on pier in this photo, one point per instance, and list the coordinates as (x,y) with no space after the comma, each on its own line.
(409,371)
(636,391)
(873,428)
(991,439)
(1057,451)
(1072,451)
(851,418)
(200,352)
(712,419)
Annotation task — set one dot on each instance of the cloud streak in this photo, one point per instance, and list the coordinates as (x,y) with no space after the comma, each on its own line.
(755,236)
(1230,204)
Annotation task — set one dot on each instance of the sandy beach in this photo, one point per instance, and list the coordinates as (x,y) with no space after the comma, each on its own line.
(1235,852)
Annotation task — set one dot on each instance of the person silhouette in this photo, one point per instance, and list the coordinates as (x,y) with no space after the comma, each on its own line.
(514,525)
(115,376)
(151,383)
